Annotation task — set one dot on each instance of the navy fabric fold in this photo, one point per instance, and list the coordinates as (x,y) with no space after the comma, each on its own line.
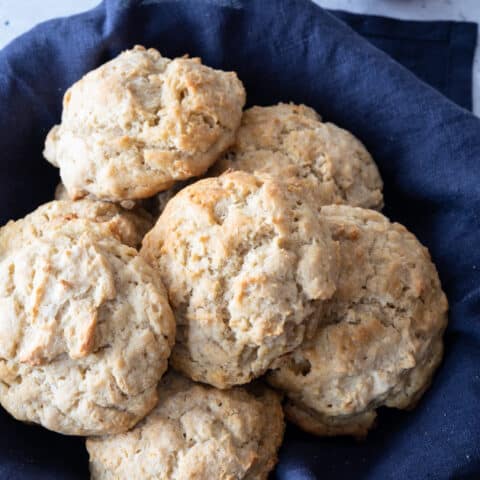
(439,52)
(426,146)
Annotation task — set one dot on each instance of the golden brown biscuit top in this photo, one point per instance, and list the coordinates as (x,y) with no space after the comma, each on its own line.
(76,217)
(383,337)
(85,325)
(138,123)
(245,261)
(291,141)
(195,432)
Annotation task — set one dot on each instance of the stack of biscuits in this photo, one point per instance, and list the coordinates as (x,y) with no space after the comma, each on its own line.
(203,272)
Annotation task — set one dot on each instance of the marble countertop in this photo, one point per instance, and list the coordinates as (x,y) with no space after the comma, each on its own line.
(20,15)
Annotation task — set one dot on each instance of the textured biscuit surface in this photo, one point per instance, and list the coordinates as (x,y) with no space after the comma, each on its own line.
(138,123)
(105,219)
(288,140)
(383,336)
(85,325)
(195,432)
(246,263)
(62,194)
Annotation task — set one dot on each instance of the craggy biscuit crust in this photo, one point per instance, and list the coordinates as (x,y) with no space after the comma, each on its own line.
(106,219)
(383,335)
(62,194)
(85,325)
(195,431)
(246,262)
(291,141)
(140,122)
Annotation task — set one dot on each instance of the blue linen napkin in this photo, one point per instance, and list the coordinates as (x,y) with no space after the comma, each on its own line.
(427,148)
(440,53)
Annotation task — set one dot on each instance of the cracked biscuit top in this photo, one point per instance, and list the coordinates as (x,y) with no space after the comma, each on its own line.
(195,432)
(85,325)
(102,218)
(291,141)
(140,122)
(382,340)
(246,262)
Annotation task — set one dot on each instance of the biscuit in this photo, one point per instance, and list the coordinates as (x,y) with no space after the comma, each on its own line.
(246,262)
(105,218)
(382,337)
(291,141)
(195,432)
(62,194)
(140,122)
(85,325)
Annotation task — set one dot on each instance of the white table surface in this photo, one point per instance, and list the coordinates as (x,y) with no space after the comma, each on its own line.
(17,16)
